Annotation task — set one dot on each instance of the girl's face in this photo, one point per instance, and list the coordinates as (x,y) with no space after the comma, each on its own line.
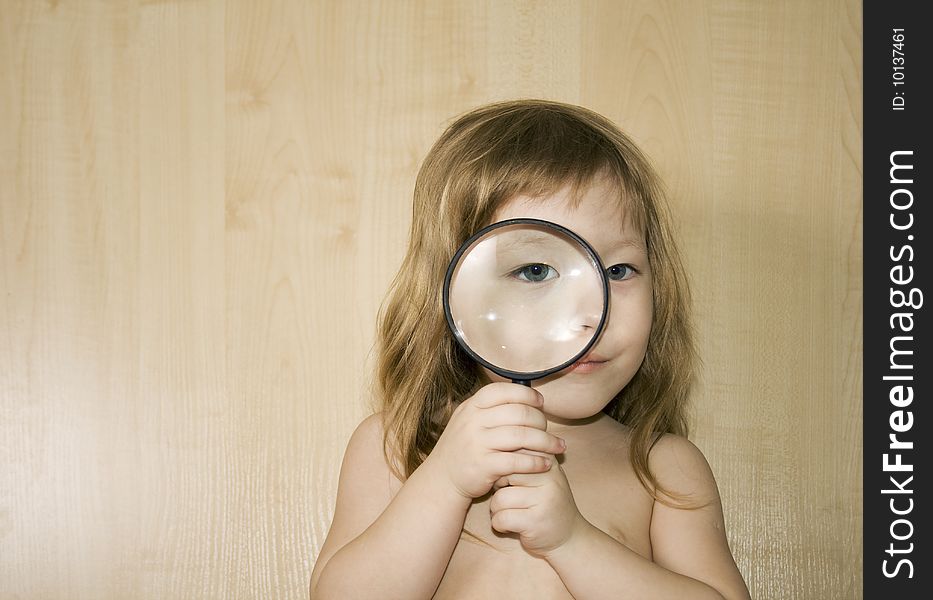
(582,390)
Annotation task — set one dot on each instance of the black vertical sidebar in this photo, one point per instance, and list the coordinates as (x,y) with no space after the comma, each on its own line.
(897,166)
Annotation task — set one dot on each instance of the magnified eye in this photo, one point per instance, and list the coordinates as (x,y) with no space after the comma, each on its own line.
(535,272)
(620,272)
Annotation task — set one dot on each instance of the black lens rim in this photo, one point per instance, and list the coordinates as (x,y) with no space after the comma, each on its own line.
(524,376)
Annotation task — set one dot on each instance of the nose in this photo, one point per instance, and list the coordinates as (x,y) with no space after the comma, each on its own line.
(593,319)
(589,311)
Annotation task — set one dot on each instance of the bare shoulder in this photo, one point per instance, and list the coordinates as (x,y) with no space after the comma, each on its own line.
(365,488)
(680,467)
(364,468)
(366,438)
(688,534)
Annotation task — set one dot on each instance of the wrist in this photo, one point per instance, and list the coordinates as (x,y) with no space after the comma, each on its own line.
(576,542)
(437,481)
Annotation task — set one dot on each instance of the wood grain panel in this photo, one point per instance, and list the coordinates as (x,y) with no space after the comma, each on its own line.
(202,203)
(68,216)
(755,140)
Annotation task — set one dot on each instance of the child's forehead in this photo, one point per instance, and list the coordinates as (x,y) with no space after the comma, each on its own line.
(601,213)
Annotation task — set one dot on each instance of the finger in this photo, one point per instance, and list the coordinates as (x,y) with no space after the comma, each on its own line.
(502,463)
(501,483)
(514,414)
(535,452)
(499,393)
(522,479)
(515,437)
(511,497)
(510,520)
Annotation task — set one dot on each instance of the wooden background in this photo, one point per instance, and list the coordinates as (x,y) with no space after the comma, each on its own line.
(202,203)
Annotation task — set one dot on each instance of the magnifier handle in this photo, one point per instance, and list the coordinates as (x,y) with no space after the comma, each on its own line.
(524,382)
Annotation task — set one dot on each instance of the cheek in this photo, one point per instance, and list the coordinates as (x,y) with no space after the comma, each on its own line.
(486,376)
(641,329)
(631,315)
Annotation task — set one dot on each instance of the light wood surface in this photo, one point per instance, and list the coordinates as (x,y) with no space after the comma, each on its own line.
(202,203)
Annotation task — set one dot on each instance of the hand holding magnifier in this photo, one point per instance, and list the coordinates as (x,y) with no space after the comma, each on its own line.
(526,298)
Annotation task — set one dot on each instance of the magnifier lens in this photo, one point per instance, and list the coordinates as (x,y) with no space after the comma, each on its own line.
(527,297)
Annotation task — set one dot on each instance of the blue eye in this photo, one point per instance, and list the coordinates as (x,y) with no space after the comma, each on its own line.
(535,272)
(620,272)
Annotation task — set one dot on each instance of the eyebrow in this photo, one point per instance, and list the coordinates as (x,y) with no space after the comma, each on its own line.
(629,243)
(534,238)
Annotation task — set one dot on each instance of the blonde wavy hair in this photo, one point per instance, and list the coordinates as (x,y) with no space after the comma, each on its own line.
(484,158)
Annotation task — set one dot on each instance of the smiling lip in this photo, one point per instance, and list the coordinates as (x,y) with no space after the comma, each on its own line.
(588,364)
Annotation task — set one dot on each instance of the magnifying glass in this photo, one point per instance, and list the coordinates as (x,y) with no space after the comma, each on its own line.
(526,298)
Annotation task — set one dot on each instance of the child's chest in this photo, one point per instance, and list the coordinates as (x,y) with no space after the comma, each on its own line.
(608,495)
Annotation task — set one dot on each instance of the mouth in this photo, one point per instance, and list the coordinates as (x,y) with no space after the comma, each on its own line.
(588,364)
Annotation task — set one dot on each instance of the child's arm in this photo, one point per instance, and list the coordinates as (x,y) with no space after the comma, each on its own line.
(369,548)
(689,547)
(690,551)
(385,546)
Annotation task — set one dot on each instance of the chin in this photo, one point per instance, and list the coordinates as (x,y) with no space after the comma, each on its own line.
(570,415)
(579,397)
(565,404)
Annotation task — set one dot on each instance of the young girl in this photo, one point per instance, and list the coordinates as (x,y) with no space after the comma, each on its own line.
(467,486)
